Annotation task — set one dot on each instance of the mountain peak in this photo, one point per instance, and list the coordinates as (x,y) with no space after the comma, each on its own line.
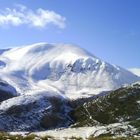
(55,51)
(63,68)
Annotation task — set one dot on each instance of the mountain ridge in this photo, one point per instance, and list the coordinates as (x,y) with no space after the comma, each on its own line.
(62,68)
(41,84)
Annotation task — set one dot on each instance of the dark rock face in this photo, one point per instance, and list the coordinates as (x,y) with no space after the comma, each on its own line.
(4,95)
(6,91)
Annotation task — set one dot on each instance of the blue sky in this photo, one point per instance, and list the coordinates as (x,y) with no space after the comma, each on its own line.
(109,29)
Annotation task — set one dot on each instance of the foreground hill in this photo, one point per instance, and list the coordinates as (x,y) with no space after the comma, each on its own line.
(112,115)
(34,113)
(119,108)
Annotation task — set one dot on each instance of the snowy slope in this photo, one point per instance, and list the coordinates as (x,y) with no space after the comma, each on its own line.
(33,112)
(63,68)
(136,71)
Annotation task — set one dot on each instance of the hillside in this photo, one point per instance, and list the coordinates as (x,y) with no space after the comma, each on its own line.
(119,108)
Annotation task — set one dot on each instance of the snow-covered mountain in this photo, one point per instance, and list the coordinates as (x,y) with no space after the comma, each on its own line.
(65,69)
(37,81)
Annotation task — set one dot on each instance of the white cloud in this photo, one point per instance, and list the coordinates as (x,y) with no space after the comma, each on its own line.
(22,15)
(136,71)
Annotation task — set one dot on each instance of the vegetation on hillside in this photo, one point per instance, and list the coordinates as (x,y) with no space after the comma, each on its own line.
(122,105)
